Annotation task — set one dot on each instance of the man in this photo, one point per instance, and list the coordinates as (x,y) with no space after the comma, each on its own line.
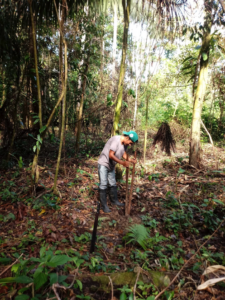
(111,154)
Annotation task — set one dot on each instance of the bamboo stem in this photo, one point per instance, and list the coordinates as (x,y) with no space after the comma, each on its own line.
(132,185)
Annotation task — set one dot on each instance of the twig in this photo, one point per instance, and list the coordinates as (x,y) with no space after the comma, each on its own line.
(11,265)
(55,291)
(135,285)
(56,285)
(157,297)
(110,280)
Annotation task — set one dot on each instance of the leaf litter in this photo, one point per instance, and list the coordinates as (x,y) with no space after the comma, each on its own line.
(180,206)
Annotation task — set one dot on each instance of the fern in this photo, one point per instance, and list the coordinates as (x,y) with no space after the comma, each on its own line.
(137,234)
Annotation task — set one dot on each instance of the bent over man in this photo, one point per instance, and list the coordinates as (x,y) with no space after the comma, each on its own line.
(114,150)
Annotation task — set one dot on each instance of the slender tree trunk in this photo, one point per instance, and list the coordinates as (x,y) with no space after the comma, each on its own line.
(3,87)
(63,15)
(81,107)
(115,25)
(126,10)
(63,121)
(194,158)
(146,126)
(36,64)
(135,104)
(102,57)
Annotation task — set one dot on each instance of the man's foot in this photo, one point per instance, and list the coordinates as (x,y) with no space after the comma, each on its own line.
(114,196)
(103,200)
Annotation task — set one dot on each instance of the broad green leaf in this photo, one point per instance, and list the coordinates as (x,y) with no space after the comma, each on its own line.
(151,298)
(42,251)
(42,129)
(22,297)
(123,296)
(7,280)
(34,148)
(62,278)
(23,279)
(58,260)
(5,260)
(53,278)
(40,280)
(109,97)
(79,284)
(131,296)
(218,201)
(36,121)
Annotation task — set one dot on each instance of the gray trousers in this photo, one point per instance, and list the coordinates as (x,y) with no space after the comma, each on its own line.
(106,176)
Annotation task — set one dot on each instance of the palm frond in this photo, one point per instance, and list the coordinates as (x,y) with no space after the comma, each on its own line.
(137,234)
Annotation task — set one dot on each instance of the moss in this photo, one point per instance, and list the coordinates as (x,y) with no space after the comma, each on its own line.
(159,279)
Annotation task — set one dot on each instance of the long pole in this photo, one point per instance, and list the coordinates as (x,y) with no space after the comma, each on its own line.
(127,195)
(132,185)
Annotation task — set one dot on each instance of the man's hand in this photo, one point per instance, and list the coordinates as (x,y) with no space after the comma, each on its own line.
(134,161)
(126,164)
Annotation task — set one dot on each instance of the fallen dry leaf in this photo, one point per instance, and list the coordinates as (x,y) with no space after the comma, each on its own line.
(210,282)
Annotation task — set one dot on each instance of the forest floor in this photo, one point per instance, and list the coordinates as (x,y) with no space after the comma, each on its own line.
(179,205)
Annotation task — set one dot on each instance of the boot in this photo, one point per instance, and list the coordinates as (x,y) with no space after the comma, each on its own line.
(103,200)
(114,197)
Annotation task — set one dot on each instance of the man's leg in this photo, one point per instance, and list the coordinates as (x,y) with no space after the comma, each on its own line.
(103,182)
(113,188)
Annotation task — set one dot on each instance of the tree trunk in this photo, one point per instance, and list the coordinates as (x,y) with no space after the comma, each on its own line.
(36,64)
(63,14)
(63,121)
(135,104)
(115,25)
(194,158)
(3,86)
(146,126)
(81,107)
(126,11)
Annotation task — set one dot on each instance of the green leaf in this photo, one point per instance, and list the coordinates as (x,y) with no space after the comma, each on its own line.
(123,296)
(42,129)
(36,121)
(5,260)
(109,97)
(79,283)
(151,298)
(7,280)
(34,148)
(218,201)
(42,251)
(40,280)
(53,278)
(58,260)
(22,297)
(62,278)
(131,296)
(23,279)
(204,56)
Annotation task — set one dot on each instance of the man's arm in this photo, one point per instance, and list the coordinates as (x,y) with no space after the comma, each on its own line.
(134,161)
(112,156)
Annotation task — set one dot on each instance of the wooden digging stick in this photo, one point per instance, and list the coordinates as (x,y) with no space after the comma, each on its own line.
(132,185)
(127,195)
